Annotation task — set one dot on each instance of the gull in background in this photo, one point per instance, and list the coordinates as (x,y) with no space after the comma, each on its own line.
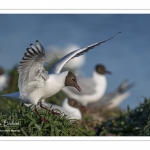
(55,53)
(71,112)
(92,88)
(4,78)
(113,99)
(35,83)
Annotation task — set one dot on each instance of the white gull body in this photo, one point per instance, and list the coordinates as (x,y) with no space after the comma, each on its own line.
(71,112)
(35,83)
(54,84)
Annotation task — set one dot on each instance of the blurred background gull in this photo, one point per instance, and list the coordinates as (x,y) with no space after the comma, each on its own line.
(65,108)
(93,88)
(55,53)
(127,56)
(113,99)
(4,79)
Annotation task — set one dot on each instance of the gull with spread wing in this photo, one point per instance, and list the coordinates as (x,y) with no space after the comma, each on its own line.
(35,83)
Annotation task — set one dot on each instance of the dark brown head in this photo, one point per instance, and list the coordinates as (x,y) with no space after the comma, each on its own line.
(71,80)
(1,71)
(101,69)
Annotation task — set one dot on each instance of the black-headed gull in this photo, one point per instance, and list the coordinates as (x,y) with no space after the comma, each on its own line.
(4,78)
(113,99)
(35,83)
(92,88)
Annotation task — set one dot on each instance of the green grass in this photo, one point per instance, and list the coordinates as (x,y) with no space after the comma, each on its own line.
(132,122)
(23,121)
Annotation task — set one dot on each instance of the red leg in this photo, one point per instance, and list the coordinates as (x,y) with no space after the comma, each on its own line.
(54,113)
(42,119)
(42,106)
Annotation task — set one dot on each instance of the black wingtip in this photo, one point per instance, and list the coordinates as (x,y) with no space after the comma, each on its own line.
(131,85)
(115,35)
(118,33)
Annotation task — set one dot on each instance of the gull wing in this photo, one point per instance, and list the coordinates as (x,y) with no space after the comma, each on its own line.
(106,99)
(86,84)
(124,86)
(59,65)
(119,93)
(31,72)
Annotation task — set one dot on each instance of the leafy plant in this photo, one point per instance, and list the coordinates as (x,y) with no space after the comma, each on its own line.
(134,122)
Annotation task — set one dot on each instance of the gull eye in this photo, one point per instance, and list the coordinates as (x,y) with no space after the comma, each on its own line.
(72,78)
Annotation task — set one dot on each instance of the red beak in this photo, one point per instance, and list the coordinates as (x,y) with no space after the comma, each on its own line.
(77,87)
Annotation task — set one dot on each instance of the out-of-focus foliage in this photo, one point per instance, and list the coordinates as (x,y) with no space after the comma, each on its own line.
(134,122)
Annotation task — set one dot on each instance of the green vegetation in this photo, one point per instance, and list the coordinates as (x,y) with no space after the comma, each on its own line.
(25,122)
(134,122)
(18,120)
